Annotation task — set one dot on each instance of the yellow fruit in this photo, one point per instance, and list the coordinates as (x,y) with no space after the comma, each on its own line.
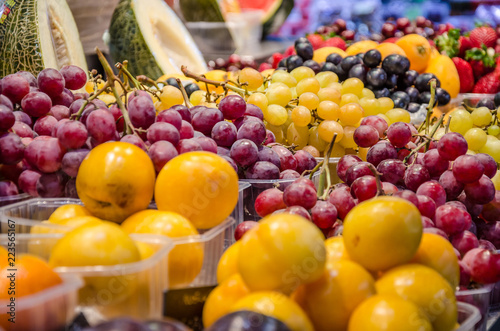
(388,313)
(424,287)
(330,301)
(361,47)
(133,221)
(217,75)
(228,263)
(325,78)
(382,233)
(171,96)
(398,115)
(145,250)
(184,260)
(321,54)
(201,186)
(283,252)
(222,298)
(98,244)
(389,48)
(68,211)
(444,69)
(276,305)
(496,181)
(417,50)
(335,250)
(115,180)
(252,77)
(437,253)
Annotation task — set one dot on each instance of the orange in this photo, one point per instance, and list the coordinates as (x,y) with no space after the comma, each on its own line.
(388,313)
(417,49)
(382,233)
(426,288)
(335,250)
(32,276)
(184,260)
(330,301)
(67,211)
(228,263)
(437,253)
(281,253)
(145,250)
(276,305)
(201,186)
(133,221)
(444,69)
(220,300)
(321,54)
(389,48)
(115,180)
(361,47)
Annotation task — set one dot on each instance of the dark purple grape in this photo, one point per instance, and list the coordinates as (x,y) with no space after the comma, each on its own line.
(223,151)
(51,82)
(451,185)
(408,196)
(232,107)
(36,104)
(324,214)
(23,117)
(244,152)
(161,152)
(170,116)
(262,170)
(8,188)
(51,185)
(71,161)
(252,130)
(416,175)
(239,121)
(426,206)
(22,130)
(59,112)
(12,148)
(399,134)
(480,192)
(345,163)
(434,163)
(224,133)
(29,77)
(433,190)
(134,140)
(15,87)
(365,136)
(382,150)
(255,111)
(289,174)
(27,181)
(205,120)
(44,125)
(70,189)
(356,171)
(74,77)
(270,138)
(6,101)
(66,98)
(163,131)
(287,160)
(489,164)
(44,153)
(101,125)
(343,201)
(142,112)
(452,145)
(186,130)
(467,169)
(392,170)
(183,111)
(207,144)
(300,195)
(7,118)
(72,134)
(364,188)
(305,161)
(188,145)
(298,210)
(269,155)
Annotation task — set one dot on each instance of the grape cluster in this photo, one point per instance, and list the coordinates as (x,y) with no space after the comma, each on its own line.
(48,131)
(234,62)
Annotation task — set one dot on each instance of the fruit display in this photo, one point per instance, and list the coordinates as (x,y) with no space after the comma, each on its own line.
(38,34)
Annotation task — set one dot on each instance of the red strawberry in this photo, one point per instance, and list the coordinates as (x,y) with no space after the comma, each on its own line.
(276,58)
(289,51)
(481,60)
(484,35)
(335,42)
(465,74)
(391,40)
(489,84)
(464,45)
(264,66)
(316,40)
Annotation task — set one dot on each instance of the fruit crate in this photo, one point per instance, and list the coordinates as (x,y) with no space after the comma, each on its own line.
(468,316)
(47,310)
(479,298)
(258,186)
(332,165)
(4,201)
(132,289)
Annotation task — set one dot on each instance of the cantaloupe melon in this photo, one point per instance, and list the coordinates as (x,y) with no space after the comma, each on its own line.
(152,38)
(38,34)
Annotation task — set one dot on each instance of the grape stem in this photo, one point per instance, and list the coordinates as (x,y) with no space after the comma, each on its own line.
(224,85)
(380,190)
(127,74)
(313,171)
(325,180)
(78,114)
(145,79)
(432,82)
(184,93)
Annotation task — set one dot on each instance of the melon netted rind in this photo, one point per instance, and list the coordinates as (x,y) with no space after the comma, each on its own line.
(201,11)
(127,43)
(276,20)
(20,48)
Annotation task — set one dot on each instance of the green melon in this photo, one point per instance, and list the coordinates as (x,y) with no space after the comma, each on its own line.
(151,37)
(201,11)
(38,34)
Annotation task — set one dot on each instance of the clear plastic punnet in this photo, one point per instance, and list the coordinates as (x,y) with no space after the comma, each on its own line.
(479,298)
(468,316)
(8,200)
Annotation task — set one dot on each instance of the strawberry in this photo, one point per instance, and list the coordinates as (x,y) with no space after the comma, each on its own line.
(482,60)
(448,42)
(335,42)
(484,35)
(276,58)
(316,40)
(464,45)
(489,84)
(465,74)
(289,51)
(264,66)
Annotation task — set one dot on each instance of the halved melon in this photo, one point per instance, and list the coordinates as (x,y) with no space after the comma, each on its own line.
(152,38)
(275,12)
(38,34)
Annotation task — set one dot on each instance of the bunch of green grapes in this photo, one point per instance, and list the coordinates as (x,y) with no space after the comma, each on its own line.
(307,109)
(480,127)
